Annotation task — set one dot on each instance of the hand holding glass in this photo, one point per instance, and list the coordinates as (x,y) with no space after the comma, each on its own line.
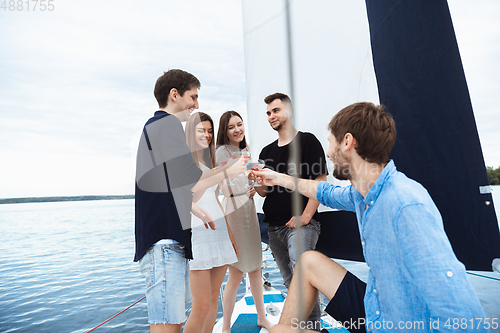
(236,155)
(254,166)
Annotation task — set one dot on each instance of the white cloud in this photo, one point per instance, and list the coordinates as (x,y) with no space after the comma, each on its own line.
(77,83)
(478,34)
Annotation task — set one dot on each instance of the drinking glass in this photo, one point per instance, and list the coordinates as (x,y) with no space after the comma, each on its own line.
(240,153)
(254,166)
(235,155)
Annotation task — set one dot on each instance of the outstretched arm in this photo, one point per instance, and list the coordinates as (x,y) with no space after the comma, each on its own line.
(306,187)
(214,176)
(330,195)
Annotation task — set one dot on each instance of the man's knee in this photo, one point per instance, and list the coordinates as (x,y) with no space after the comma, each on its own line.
(310,259)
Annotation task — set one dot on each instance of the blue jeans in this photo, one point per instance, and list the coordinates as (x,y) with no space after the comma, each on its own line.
(284,246)
(167,283)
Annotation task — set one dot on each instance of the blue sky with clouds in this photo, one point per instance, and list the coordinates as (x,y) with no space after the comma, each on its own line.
(76,83)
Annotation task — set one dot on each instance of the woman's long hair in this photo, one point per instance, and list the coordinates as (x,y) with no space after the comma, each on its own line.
(208,153)
(222,138)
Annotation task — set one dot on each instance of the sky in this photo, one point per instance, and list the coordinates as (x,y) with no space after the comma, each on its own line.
(76,83)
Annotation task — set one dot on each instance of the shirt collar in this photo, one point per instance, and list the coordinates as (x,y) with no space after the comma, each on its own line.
(375,190)
(159,113)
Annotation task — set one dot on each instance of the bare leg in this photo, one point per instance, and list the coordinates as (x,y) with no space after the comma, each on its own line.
(318,273)
(230,292)
(257,293)
(200,290)
(165,328)
(216,277)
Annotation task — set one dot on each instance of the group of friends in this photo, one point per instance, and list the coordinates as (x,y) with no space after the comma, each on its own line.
(186,240)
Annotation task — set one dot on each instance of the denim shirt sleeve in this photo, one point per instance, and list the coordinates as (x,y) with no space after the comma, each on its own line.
(336,197)
(440,281)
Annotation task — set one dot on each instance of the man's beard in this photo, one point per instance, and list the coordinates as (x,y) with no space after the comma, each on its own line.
(342,167)
(280,126)
(342,172)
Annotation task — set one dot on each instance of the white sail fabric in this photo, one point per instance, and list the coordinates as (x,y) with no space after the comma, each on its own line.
(332,62)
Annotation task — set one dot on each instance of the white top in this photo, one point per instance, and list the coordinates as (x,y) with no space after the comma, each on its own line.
(211,248)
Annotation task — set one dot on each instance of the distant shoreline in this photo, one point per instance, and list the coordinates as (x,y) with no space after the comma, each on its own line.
(71,198)
(88,198)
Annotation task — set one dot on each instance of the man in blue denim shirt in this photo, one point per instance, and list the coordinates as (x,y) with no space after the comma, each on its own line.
(415,282)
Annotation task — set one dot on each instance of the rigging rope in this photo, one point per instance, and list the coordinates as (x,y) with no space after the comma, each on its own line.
(104,322)
(488,277)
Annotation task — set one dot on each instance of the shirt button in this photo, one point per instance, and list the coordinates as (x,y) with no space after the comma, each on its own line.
(369,268)
(450,273)
(375,291)
(378,312)
(362,243)
(371,202)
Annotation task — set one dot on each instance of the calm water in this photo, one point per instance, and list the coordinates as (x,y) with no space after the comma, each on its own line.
(67,267)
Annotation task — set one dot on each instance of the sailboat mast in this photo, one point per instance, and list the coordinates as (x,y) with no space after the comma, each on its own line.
(294,155)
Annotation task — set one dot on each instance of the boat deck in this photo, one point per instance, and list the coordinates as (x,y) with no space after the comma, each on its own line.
(244,319)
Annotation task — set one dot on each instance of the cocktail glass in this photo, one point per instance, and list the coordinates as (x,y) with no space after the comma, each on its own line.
(254,166)
(235,155)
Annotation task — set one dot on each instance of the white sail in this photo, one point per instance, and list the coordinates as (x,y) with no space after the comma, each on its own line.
(332,62)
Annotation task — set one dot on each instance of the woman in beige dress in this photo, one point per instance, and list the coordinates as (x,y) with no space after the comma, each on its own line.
(241,215)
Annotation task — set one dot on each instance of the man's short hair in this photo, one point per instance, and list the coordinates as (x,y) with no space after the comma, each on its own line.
(174,78)
(282,97)
(372,127)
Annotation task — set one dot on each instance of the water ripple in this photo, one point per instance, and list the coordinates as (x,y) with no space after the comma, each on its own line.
(67,267)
